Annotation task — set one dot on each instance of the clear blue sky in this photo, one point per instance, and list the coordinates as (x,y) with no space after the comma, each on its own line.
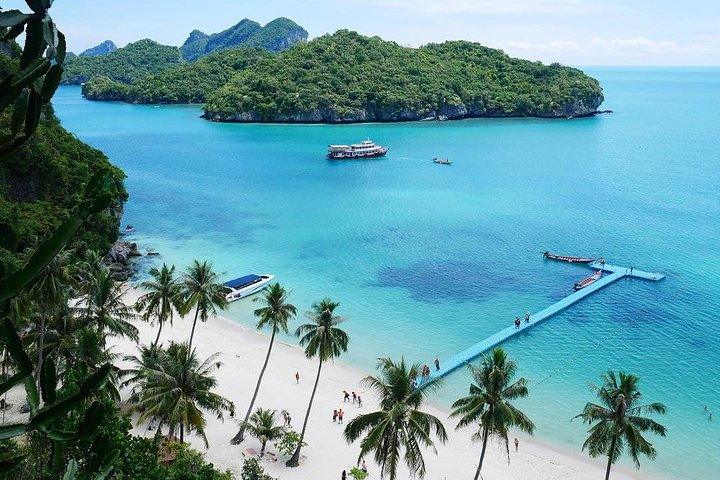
(575,32)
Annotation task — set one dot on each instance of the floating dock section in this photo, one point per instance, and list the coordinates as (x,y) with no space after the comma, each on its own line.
(613,273)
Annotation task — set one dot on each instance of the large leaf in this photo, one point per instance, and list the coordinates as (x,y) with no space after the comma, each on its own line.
(71,472)
(62,435)
(14,32)
(11,286)
(50,413)
(50,33)
(61,48)
(97,198)
(10,18)
(12,381)
(31,392)
(92,419)
(10,431)
(48,381)
(108,464)
(14,344)
(51,82)
(30,73)
(34,42)
(32,117)
(19,111)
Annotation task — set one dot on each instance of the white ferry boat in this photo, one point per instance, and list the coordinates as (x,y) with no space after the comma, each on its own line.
(365,149)
(242,287)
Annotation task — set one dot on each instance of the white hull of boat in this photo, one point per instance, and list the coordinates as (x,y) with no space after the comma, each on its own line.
(237,294)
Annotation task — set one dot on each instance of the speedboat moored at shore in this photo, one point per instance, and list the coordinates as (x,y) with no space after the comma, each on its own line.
(588,281)
(365,149)
(242,287)
(568,258)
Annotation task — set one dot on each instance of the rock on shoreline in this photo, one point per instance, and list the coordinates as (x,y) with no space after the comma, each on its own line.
(119,260)
(575,108)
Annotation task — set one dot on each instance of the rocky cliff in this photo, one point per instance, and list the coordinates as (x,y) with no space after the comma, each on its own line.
(99,50)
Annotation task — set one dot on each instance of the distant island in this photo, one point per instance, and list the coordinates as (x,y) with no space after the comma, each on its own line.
(99,50)
(347,77)
(147,57)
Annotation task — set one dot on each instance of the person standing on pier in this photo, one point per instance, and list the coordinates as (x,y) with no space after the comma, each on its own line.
(437,364)
(527,317)
(517,322)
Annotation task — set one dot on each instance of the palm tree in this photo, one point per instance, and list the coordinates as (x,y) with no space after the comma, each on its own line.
(179,388)
(399,424)
(52,289)
(162,298)
(262,426)
(488,402)
(146,360)
(323,339)
(276,313)
(106,306)
(202,291)
(620,423)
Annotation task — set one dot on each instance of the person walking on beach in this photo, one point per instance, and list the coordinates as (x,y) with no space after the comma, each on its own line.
(297,377)
(517,442)
(343,476)
(354,397)
(437,365)
(364,467)
(335,416)
(340,415)
(359,401)
(346,396)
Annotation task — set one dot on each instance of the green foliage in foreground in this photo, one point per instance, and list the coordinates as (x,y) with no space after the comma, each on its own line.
(125,65)
(185,83)
(43,182)
(346,76)
(252,470)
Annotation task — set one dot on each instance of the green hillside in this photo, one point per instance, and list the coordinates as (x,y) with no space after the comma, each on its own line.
(41,183)
(124,65)
(346,77)
(186,83)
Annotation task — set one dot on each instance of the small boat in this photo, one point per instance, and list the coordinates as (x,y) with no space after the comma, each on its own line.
(365,149)
(568,258)
(128,229)
(442,161)
(242,287)
(588,281)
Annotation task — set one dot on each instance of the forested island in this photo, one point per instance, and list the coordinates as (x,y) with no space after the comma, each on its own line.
(148,57)
(348,77)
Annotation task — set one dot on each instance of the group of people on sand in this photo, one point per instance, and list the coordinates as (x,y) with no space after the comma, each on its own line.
(518,322)
(356,400)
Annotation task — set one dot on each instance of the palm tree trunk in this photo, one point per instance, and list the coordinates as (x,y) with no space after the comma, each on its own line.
(157,338)
(240,436)
(182,433)
(295,459)
(609,463)
(41,346)
(486,434)
(192,332)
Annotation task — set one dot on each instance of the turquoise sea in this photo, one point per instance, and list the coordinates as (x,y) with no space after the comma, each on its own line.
(427,259)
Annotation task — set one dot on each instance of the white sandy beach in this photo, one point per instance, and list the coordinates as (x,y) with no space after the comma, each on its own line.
(327,452)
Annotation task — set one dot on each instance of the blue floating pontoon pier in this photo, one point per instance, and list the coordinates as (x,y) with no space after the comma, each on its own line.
(614,273)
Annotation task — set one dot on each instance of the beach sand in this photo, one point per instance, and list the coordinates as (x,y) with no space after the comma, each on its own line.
(242,354)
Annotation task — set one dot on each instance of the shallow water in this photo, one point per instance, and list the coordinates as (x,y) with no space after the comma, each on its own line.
(427,259)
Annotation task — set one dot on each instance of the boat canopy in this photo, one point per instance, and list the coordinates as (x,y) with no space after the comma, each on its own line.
(242,281)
